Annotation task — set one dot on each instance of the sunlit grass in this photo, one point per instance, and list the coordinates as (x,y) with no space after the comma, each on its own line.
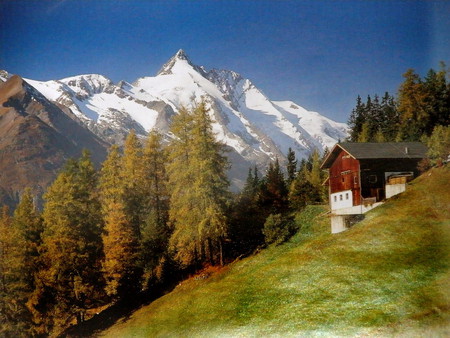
(387,275)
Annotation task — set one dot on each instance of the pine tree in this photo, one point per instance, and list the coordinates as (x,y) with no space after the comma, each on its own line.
(274,192)
(246,218)
(291,166)
(307,187)
(70,280)
(437,98)
(391,119)
(356,120)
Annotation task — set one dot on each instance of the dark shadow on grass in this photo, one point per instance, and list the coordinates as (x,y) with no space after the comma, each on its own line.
(122,311)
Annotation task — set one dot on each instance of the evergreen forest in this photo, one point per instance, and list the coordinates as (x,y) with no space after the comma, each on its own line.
(421,106)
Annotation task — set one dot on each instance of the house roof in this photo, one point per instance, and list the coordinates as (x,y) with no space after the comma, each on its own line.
(383,150)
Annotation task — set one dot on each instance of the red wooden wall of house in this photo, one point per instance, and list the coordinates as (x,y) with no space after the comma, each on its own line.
(344,175)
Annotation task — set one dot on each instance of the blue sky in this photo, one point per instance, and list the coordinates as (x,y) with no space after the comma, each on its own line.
(320,54)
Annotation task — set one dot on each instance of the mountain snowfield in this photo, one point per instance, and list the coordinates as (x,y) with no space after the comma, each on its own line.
(254,127)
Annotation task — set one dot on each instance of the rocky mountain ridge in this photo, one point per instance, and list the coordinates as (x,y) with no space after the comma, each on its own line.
(255,129)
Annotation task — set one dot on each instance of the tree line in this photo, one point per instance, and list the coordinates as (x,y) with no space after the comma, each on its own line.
(422,105)
(149,216)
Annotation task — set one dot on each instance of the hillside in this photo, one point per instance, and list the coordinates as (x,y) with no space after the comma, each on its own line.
(387,275)
(36,139)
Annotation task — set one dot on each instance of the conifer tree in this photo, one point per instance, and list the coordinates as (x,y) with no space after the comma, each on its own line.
(121,266)
(180,170)
(307,187)
(70,278)
(291,167)
(155,232)
(211,185)
(26,234)
(439,145)
(198,194)
(437,98)
(411,105)
(133,180)
(15,319)
(364,135)
(273,197)
(389,125)
(356,120)
(247,220)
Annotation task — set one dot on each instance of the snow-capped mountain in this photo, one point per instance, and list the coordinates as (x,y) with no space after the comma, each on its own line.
(254,127)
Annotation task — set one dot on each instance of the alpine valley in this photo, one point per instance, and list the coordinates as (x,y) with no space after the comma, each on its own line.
(43,124)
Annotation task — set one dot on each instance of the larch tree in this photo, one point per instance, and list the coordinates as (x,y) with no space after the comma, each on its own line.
(155,231)
(121,266)
(15,319)
(180,170)
(198,188)
(70,279)
(411,105)
(211,185)
(133,180)
(27,230)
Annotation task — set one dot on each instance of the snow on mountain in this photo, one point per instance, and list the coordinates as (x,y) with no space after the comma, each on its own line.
(109,110)
(254,127)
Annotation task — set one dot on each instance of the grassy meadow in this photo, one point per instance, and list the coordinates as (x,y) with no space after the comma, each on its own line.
(388,275)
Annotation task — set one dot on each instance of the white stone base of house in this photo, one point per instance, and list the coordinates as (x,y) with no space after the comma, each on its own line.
(355,210)
(343,219)
(338,224)
(394,189)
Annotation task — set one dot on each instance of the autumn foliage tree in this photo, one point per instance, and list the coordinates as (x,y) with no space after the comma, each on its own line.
(70,278)
(120,244)
(198,189)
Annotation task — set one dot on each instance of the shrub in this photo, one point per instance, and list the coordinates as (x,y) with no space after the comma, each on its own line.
(277,229)
(439,145)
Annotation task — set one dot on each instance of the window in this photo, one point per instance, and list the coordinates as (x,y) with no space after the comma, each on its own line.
(335,198)
(373,179)
(340,197)
(346,195)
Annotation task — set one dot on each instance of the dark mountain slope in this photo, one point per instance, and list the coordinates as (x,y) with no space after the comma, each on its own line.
(36,138)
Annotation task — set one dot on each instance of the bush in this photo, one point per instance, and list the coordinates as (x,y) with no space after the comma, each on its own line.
(277,229)
(439,145)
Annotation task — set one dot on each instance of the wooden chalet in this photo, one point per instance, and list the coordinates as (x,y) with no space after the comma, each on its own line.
(362,175)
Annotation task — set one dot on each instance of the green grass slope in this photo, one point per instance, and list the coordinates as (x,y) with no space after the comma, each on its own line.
(388,275)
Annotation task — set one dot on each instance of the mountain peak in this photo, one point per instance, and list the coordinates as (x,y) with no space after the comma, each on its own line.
(179,56)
